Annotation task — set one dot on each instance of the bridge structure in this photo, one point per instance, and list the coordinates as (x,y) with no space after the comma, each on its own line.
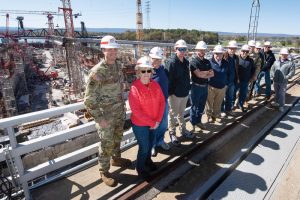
(42,34)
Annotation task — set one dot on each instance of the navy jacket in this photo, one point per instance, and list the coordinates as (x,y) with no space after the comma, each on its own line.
(179,77)
(160,76)
(220,74)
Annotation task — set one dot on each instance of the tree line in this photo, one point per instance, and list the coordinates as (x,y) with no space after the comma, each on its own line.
(169,35)
(193,36)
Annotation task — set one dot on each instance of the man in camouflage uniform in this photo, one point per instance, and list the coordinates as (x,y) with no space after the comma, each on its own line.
(103,100)
(257,62)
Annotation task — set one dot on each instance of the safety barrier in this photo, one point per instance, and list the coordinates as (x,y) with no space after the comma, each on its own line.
(16,150)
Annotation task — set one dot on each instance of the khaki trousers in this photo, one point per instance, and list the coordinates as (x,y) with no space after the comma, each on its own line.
(214,101)
(177,106)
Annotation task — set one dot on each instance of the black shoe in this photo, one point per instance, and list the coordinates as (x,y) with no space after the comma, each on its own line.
(151,166)
(230,113)
(143,174)
(153,152)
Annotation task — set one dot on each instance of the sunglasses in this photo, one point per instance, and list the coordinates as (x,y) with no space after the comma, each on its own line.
(148,71)
(181,49)
(245,51)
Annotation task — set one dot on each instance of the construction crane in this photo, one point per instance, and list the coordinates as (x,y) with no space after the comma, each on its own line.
(139,26)
(74,69)
(21,29)
(253,23)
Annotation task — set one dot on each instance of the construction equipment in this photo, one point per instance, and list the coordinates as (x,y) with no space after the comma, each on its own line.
(75,72)
(139,26)
(253,23)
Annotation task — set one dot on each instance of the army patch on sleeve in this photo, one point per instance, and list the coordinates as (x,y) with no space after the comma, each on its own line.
(96,77)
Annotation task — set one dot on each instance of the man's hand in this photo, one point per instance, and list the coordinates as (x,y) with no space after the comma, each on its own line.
(103,123)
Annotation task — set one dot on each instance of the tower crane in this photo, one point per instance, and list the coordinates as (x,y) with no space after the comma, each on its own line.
(75,71)
(139,25)
(253,22)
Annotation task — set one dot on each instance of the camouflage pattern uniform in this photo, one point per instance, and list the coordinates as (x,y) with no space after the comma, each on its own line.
(103,100)
(257,63)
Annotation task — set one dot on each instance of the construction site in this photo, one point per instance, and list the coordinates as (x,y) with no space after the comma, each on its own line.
(46,134)
(47,68)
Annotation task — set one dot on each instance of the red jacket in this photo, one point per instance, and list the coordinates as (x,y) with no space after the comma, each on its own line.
(147,103)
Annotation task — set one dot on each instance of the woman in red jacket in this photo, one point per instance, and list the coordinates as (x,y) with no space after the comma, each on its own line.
(147,104)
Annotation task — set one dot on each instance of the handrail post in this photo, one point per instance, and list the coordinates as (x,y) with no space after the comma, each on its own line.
(18,161)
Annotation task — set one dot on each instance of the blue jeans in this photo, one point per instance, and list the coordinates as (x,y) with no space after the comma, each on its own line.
(229,96)
(159,133)
(257,86)
(243,88)
(198,99)
(144,139)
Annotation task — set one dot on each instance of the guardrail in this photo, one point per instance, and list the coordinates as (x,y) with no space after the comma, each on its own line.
(16,150)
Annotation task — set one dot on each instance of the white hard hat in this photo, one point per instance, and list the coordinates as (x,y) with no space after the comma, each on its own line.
(251,43)
(284,51)
(245,47)
(109,42)
(156,52)
(144,62)
(201,45)
(258,45)
(218,49)
(232,44)
(180,43)
(267,43)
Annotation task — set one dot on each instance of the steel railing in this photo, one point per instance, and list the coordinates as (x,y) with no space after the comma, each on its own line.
(16,149)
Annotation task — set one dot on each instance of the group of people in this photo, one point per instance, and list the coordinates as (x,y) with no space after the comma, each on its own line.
(159,95)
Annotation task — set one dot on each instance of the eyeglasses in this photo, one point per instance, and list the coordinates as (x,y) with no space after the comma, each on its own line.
(182,49)
(245,51)
(148,71)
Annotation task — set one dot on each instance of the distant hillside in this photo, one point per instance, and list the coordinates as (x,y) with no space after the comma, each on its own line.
(108,30)
(259,34)
(122,30)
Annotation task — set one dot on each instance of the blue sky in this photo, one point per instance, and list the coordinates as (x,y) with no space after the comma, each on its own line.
(276,16)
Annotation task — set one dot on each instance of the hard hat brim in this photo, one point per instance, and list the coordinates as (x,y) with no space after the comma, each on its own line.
(232,47)
(143,66)
(218,51)
(180,46)
(156,57)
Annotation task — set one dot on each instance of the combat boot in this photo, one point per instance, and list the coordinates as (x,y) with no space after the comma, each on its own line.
(120,162)
(108,180)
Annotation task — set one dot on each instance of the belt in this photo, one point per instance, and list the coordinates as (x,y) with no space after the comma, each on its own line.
(200,85)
